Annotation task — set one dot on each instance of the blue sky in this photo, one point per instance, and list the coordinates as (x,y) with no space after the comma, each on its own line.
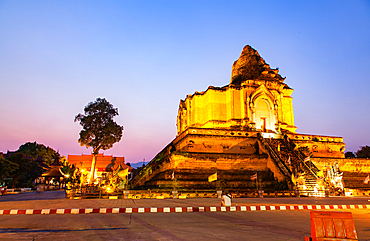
(144,56)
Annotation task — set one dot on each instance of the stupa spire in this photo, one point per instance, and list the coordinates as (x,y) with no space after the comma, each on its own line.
(251,66)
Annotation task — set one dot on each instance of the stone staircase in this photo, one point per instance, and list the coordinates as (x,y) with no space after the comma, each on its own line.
(291,161)
(276,156)
(309,188)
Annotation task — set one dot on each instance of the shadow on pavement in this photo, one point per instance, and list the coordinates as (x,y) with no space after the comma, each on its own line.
(46,195)
(28,230)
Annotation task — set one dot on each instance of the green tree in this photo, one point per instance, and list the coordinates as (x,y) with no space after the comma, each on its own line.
(28,170)
(67,169)
(99,131)
(6,167)
(364,152)
(349,154)
(32,149)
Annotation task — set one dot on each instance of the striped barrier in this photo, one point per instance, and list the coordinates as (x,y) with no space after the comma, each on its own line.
(182,209)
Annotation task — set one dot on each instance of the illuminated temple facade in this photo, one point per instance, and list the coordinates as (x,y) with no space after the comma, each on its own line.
(261,104)
(240,129)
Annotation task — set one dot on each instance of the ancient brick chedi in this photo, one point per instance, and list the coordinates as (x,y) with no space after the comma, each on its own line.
(256,99)
(238,130)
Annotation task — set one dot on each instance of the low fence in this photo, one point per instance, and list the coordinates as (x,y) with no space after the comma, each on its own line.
(162,194)
(14,190)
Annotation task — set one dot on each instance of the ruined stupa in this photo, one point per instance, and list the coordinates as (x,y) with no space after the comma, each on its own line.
(238,130)
(251,66)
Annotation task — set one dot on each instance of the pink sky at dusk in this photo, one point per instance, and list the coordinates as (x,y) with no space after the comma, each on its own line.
(144,56)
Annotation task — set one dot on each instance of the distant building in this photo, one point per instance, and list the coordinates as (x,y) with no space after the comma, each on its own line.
(104,163)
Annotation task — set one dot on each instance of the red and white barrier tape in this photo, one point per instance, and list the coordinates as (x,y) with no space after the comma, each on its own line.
(182,209)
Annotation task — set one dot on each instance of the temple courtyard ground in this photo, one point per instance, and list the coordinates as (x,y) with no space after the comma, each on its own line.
(168,219)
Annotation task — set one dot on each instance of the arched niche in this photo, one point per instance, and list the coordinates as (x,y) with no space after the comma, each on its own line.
(262,109)
(264,115)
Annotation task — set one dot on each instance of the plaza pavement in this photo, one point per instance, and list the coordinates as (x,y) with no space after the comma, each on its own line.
(206,222)
(54,202)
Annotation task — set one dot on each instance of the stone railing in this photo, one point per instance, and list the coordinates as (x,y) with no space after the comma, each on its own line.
(307,165)
(276,158)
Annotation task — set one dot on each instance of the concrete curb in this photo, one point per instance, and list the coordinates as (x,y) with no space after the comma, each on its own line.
(183,209)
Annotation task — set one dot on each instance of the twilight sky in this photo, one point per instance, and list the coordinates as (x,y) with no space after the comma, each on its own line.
(144,56)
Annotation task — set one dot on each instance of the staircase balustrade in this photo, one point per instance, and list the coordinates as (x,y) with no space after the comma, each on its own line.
(276,158)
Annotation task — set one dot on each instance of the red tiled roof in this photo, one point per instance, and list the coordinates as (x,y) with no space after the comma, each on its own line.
(103,162)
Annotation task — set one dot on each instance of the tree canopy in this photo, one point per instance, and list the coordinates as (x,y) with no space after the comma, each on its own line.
(67,170)
(6,167)
(22,166)
(364,152)
(99,131)
(33,149)
(349,154)
(26,171)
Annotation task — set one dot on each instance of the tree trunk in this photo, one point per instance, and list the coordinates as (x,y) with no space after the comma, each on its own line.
(93,165)
(15,180)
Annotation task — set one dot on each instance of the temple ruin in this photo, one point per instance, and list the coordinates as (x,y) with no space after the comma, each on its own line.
(242,129)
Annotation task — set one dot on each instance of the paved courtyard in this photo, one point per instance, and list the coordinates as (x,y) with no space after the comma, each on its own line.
(259,224)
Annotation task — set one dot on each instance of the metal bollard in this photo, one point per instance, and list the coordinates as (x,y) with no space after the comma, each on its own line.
(219,194)
(260,193)
(174,193)
(125,194)
(296,192)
